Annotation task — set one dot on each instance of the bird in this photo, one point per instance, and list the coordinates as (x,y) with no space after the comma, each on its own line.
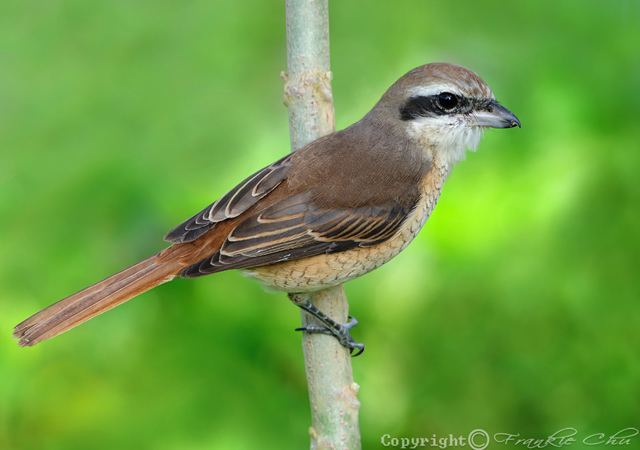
(331,211)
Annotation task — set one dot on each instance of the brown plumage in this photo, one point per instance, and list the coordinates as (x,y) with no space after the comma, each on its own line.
(329,212)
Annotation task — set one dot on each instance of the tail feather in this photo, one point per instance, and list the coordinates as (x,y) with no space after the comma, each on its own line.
(88,303)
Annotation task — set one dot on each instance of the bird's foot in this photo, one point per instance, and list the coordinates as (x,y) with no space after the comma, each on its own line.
(341,332)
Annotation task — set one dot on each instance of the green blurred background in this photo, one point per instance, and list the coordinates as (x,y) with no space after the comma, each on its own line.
(515,310)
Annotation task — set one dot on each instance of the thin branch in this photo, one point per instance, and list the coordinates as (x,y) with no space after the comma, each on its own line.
(307,93)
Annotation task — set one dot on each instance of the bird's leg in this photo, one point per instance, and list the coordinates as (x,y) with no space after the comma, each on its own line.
(331,327)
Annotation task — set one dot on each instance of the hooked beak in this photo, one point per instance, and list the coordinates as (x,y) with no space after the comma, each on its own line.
(494,115)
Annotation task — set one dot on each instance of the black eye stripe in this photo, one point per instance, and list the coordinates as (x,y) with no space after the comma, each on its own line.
(430,106)
(420,106)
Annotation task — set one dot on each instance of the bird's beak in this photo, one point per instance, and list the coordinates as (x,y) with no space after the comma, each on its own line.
(494,115)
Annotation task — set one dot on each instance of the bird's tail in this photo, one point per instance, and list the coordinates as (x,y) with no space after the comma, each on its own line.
(88,303)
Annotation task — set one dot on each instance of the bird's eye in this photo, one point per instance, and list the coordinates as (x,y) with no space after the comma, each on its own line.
(447,100)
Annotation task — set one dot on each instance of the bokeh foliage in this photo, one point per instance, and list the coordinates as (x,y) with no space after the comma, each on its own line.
(515,310)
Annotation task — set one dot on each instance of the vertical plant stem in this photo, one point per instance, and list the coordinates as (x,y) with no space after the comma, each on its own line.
(307,93)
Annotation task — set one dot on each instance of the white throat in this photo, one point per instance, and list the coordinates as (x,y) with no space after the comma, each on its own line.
(444,139)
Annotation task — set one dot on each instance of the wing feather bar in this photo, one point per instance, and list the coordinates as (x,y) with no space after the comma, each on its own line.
(296,228)
(233,203)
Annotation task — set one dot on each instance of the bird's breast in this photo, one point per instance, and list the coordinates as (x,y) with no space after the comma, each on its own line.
(322,271)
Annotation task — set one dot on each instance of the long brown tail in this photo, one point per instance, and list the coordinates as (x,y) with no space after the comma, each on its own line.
(88,303)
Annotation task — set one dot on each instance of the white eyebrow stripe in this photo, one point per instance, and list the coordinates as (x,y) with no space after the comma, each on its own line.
(426,91)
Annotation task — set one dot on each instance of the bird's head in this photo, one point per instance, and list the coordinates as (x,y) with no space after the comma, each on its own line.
(445,108)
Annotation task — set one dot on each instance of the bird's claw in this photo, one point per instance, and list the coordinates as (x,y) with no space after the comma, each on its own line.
(340,332)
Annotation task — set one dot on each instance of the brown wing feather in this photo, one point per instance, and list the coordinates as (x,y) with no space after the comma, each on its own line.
(233,203)
(295,228)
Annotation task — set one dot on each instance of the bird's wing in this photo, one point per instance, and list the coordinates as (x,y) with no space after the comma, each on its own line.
(233,203)
(295,227)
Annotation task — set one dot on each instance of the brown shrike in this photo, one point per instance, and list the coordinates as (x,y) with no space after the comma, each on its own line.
(331,211)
